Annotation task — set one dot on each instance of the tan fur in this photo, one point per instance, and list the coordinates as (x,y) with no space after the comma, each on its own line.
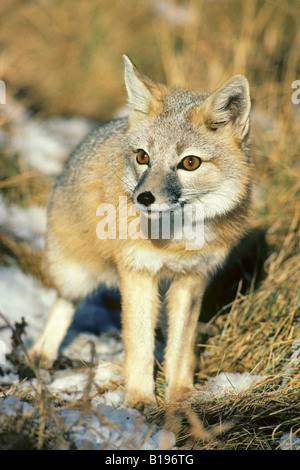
(168,125)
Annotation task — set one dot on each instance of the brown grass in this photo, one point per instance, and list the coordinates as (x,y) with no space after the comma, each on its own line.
(248,420)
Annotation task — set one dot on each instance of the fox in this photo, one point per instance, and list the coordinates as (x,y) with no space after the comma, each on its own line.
(177,148)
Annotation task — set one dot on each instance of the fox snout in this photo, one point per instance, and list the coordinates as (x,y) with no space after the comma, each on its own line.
(157,189)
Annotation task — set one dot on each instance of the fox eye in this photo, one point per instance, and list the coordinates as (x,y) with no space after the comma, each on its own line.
(142,157)
(190,163)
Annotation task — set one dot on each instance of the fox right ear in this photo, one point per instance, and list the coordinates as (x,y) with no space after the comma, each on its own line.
(143,94)
(230,104)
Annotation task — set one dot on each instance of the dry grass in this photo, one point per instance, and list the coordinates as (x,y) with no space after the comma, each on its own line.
(248,420)
(69,62)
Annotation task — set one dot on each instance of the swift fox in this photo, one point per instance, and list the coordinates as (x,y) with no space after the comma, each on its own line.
(177,149)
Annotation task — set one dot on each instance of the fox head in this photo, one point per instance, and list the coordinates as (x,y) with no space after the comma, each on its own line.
(184,147)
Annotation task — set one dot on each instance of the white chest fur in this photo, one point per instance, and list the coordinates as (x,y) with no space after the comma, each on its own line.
(155,260)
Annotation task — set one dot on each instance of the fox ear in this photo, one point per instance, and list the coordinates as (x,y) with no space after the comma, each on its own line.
(143,93)
(230,104)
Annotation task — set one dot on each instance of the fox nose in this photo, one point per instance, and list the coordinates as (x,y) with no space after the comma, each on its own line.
(146,198)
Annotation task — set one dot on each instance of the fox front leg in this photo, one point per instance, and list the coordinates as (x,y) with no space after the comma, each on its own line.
(184,301)
(139,315)
(45,350)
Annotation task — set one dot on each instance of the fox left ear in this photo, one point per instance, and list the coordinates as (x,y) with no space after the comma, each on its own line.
(144,95)
(230,104)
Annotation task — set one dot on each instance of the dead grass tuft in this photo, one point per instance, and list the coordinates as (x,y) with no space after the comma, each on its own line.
(253,419)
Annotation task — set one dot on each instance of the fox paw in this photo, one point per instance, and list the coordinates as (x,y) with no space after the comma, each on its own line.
(179,394)
(38,359)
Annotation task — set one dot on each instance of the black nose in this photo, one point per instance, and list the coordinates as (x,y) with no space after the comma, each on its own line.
(146,198)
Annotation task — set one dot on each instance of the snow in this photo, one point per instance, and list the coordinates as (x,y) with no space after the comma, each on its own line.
(231,382)
(45,144)
(28,223)
(21,295)
(289,441)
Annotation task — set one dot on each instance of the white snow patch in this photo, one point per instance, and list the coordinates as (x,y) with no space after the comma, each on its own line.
(68,382)
(112,398)
(289,441)
(44,143)
(25,222)
(75,382)
(105,346)
(21,295)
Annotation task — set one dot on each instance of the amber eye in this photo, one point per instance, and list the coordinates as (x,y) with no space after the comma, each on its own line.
(190,163)
(142,158)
